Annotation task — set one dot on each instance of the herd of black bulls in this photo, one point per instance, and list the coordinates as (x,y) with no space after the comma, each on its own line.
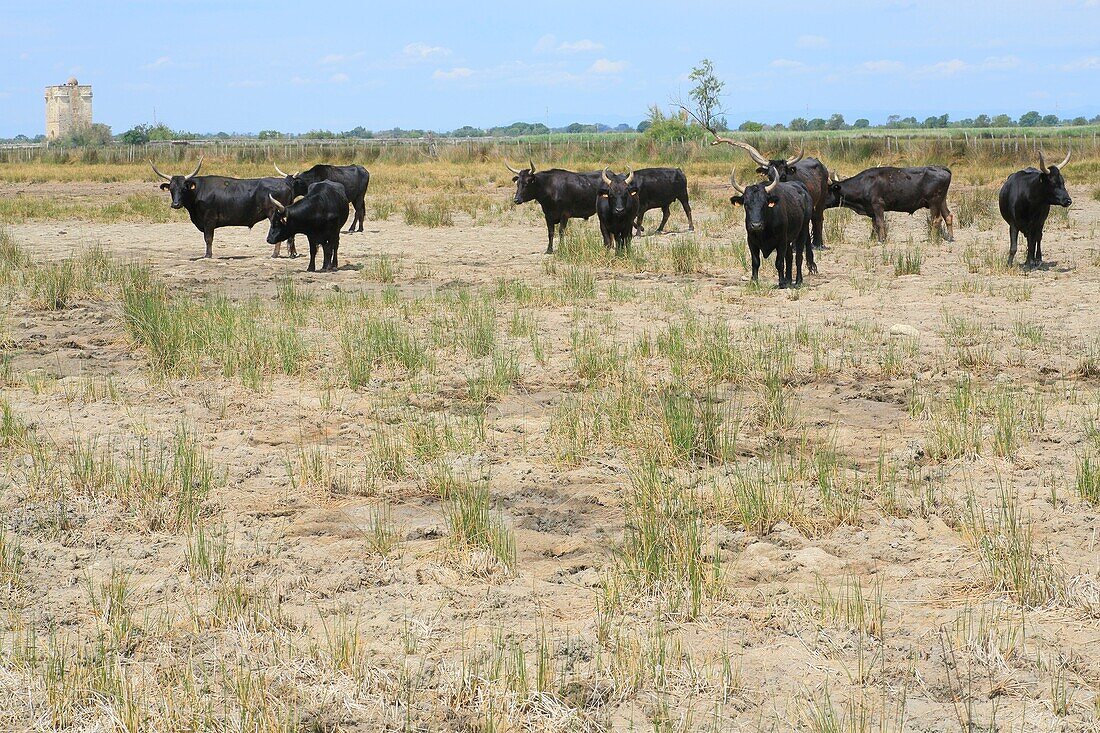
(783,214)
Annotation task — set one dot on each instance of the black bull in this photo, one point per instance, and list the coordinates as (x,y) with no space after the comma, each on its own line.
(875,191)
(810,171)
(563,195)
(1025,201)
(777,219)
(319,216)
(658,188)
(354,178)
(213,202)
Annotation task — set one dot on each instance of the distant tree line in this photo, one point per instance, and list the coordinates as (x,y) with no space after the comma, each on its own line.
(897,122)
(658,125)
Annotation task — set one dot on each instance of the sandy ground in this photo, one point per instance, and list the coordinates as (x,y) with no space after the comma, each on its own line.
(568,520)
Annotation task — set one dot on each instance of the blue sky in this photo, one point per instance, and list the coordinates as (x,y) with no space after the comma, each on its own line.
(246,66)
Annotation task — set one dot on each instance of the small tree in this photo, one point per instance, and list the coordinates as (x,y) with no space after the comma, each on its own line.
(750,126)
(799,124)
(1031,119)
(1001,121)
(861,124)
(982,121)
(708,88)
(836,122)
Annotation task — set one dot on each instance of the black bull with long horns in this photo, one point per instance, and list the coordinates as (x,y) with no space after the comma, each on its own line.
(562,194)
(617,208)
(810,171)
(354,178)
(777,219)
(1025,201)
(213,202)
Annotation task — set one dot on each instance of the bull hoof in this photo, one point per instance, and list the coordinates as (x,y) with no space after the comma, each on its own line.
(813,270)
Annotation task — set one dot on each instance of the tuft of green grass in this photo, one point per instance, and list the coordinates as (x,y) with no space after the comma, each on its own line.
(435,213)
(1088,478)
(1010,556)
(374,341)
(907,261)
(52,285)
(473,524)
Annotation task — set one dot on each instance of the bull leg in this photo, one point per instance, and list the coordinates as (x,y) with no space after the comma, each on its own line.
(606,234)
(208,235)
(312,255)
(335,240)
(1039,247)
(878,221)
(810,264)
(361,210)
(755,264)
(790,263)
(780,265)
(326,251)
(561,231)
(278,248)
(638,228)
(948,221)
(687,210)
(1013,238)
(291,252)
(357,218)
(818,225)
(666,211)
(798,250)
(550,235)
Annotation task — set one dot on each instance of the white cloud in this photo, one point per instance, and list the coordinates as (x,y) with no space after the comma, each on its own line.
(1088,63)
(810,41)
(420,50)
(247,84)
(607,66)
(881,66)
(1000,63)
(944,68)
(549,44)
(788,65)
(160,63)
(338,78)
(339,58)
(459,72)
(581,46)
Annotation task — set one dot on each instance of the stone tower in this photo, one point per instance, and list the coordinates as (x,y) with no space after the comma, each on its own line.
(68,108)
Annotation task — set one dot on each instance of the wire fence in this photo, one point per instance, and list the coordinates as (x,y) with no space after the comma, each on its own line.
(1000,146)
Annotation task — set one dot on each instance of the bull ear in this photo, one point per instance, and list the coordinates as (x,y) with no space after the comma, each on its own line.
(737,200)
(164,187)
(192,185)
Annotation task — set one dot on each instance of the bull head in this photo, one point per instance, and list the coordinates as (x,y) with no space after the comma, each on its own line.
(179,186)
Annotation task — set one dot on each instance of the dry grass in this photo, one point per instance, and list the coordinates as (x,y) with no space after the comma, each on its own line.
(588,492)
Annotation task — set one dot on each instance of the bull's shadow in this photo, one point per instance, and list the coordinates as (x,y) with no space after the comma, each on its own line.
(200,258)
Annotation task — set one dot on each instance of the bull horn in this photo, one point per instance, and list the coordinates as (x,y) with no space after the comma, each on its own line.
(278,204)
(733,182)
(196,171)
(1042,163)
(1062,165)
(629,177)
(834,177)
(532,164)
(603,175)
(801,152)
(753,152)
(775,180)
(167,178)
(281,172)
(509,167)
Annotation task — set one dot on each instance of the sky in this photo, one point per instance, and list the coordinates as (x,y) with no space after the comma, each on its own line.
(246,66)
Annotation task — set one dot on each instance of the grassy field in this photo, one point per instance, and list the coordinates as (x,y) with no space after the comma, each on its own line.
(460,485)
